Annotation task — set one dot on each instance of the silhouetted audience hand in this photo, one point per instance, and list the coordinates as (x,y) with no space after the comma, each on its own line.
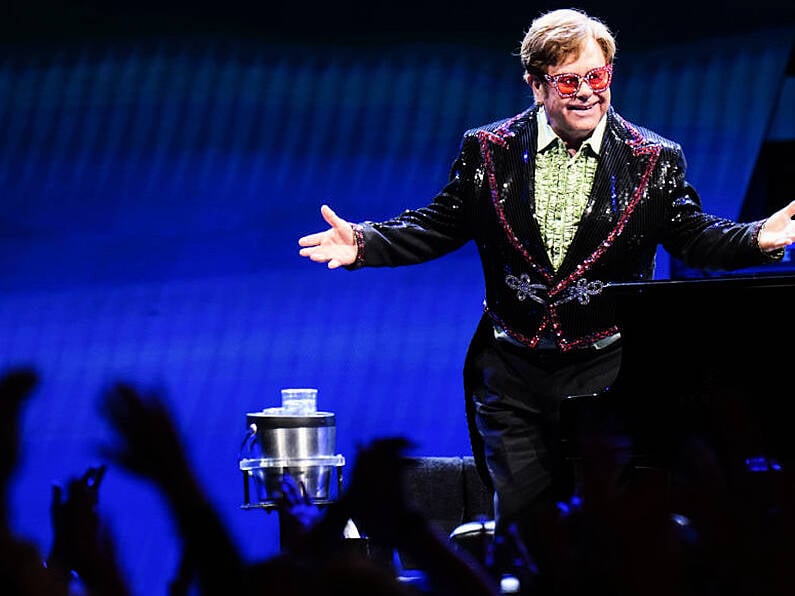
(297,511)
(21,569)
(16,386)
(148,445)
(376,494)
(81,541)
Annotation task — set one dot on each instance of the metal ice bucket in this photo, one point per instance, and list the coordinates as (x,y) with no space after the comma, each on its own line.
(300,445)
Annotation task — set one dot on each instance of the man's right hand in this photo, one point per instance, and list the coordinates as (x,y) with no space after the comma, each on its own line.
(336,246)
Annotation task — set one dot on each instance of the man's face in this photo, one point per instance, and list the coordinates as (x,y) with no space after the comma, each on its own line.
(574,118)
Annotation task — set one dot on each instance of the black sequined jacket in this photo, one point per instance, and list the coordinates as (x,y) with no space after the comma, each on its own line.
(639,199)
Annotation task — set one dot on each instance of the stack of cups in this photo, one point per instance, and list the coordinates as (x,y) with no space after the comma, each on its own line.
(299,402)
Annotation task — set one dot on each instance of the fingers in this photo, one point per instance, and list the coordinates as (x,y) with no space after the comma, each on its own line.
(118,403)
(320,255)
(315,253)
(335,246)
(16,386)
(311,239)
(302,490)
(93,476)
(786,212)
(99,474)
(57,495)
(331,218)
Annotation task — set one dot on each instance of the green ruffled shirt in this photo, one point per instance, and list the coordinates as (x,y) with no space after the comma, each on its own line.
(563,185)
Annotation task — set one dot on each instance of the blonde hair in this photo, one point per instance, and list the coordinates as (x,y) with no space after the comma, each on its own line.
(557,34)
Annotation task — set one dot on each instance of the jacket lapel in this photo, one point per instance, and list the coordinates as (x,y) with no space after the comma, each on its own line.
(513,186)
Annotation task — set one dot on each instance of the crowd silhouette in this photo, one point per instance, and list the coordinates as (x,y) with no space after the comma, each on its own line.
(642,533)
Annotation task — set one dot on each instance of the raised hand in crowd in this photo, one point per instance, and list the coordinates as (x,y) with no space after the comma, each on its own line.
(16,387)
(148,445)
(82,544)
(297,513)
(21,568)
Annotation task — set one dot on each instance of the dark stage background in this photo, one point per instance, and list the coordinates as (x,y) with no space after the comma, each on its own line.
(159,160)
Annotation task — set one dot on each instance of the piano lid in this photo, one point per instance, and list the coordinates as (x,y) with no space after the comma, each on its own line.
(708,358)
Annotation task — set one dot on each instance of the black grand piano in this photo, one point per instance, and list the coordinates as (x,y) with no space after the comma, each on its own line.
(709,360)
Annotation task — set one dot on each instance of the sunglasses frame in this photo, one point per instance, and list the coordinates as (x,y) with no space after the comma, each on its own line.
(553,80)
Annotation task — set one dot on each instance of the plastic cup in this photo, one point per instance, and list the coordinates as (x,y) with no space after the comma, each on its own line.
(299,402)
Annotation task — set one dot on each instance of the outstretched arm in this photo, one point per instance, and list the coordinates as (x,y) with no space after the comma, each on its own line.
(336,246)
(779,229)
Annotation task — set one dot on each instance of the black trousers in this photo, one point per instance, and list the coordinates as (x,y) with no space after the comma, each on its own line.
(515,396)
